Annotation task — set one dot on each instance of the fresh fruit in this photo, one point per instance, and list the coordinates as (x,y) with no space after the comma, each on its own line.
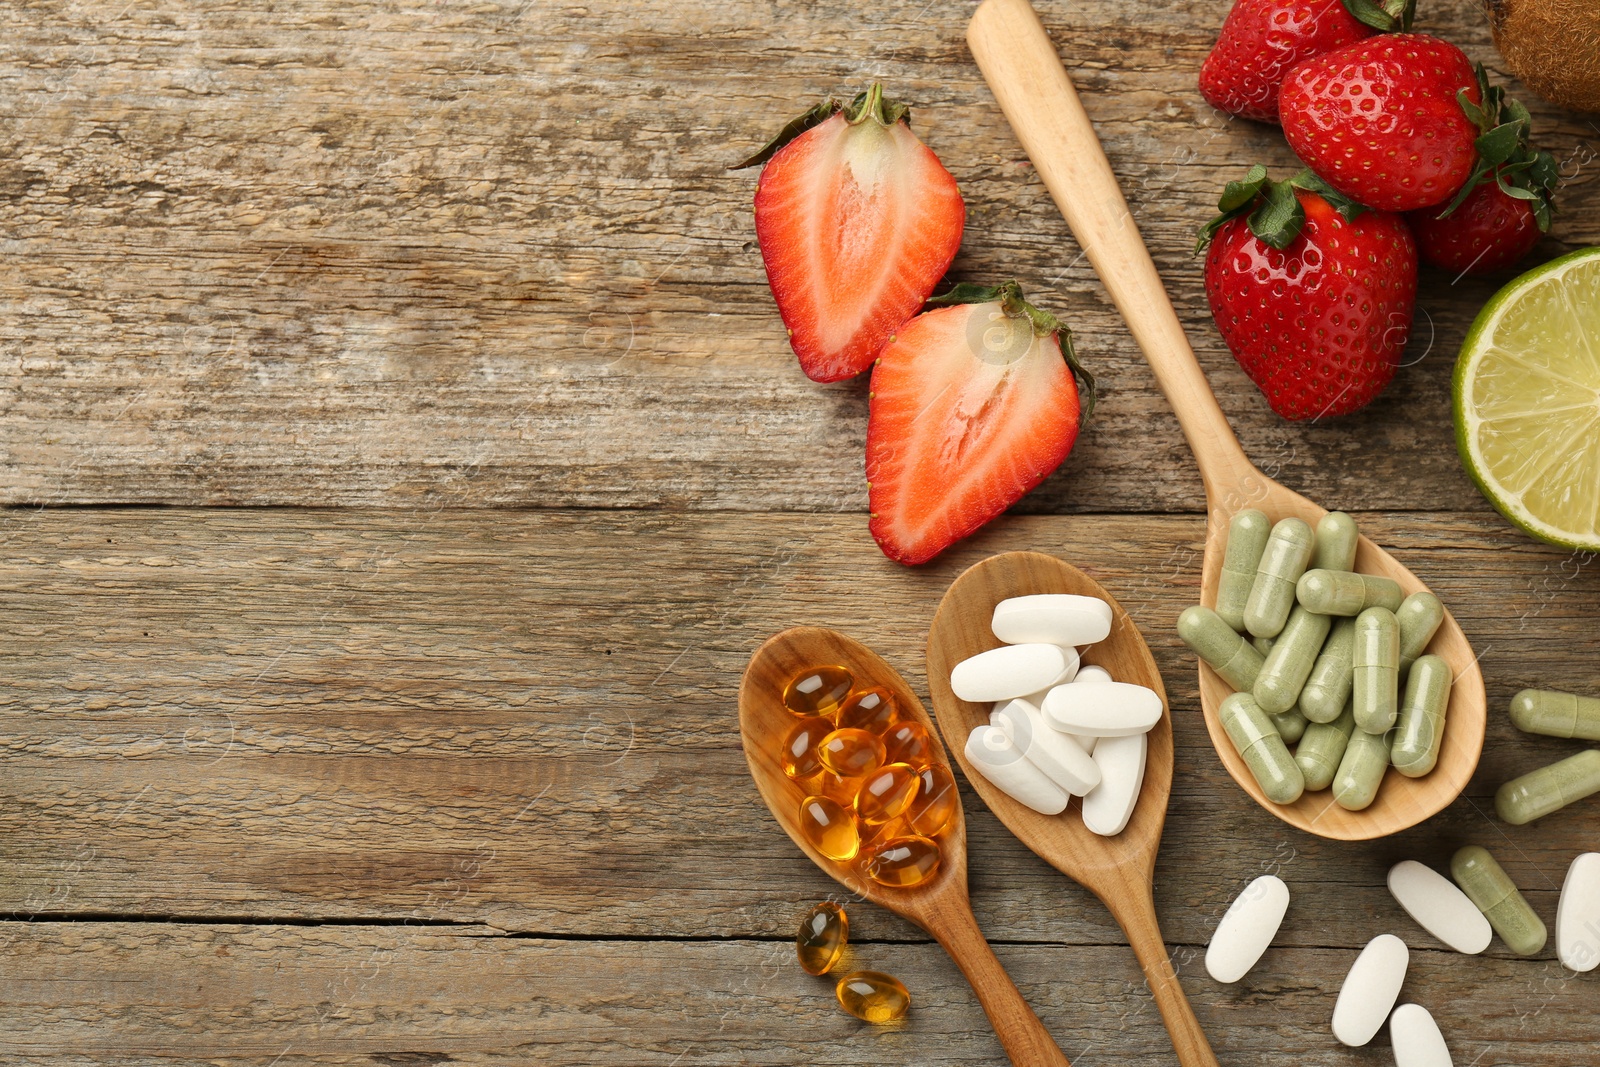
(1553,46)
(1379,120)
(1526,395)
(1262,40)
(857,220)
(1312,293)
(973,403)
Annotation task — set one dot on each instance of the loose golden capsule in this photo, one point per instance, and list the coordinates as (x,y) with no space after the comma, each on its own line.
(829,828)
(935,803)
(850,753)
(868,709)
(799,755)
(1247,538)
(822,937)
(818,692)
(873,996)
(902,862)
(887,792)
(909,742)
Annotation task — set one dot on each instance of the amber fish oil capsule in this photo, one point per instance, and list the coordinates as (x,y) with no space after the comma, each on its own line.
(1247,539)
(873,996)
(1321,749)
(1420,731)
(935,803)
(818,691)
(822,937)
(1262,750)
(887,792)
(850,753)
(1337,538)
(902,862)
(829,828)
(1210,637)
(1419,617)
(1487,885)
(871,710)
(1361,770)
(1282,563)
(1538,793)
(1555,714)
(1346,592)
(908,742)
(1375,679)
(1327,690)
(1289,664)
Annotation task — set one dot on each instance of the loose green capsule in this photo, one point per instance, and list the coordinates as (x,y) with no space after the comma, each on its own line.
(1551,788)
(1247,538)
(1366,757)
(1283,561)
(1556,714)
(1291,725)
(1487,885)
(1419,618)
(1213,640)
(1262,645)
(822,937)
(1262,750)
(1375,677)
(1287,666)
(1327,690)
(1421,727)
(1337,538)
(1346,592)
(1321,749)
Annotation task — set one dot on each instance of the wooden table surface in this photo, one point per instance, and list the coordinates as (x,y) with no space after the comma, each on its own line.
(404,457)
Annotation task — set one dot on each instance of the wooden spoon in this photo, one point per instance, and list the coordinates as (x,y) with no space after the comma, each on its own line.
(1117,869)
(1020,65)
(940,905)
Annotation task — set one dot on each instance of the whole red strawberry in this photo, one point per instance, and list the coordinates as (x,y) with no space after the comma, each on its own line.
(1379,120)
(1313,294)
(858,220)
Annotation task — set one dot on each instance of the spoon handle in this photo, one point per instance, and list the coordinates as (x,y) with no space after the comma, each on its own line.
(1135,911)
(1023,71)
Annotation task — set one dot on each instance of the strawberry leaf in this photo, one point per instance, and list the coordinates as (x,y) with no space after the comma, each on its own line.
(1238,197)
(1504,155)
(1385,16)
(815,117)
(1278,220)
(874,105)
(1312,182)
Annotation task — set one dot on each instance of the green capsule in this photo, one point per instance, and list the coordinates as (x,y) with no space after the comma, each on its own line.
(1488,886)
(1327,690)
(1337,538)
(1262,645)
(1550,788)
(1282,563)
(1291,725)
(1321,749)
(1262,750)
(1289,663)
(1220,645)
(1419,618)
(1556,714)
(1421,726)
(1346,592)
(1366,758)
(1375,674)
(1247,538)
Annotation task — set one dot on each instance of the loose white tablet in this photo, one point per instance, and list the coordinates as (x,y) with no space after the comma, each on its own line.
(1416,1038)
(1247,929)
(1054,618)
(1103,709)
(1370,990)
(1439,907)
(1109,805)
(1012,671)
(1578,915)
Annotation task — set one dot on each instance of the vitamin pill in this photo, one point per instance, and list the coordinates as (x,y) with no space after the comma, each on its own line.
(886,793)
(1050,750)
(1361,770)
(1321,749)
(1087,673)
(1416,1038)
(1370,990)
(1545,711)
(1419,618)
(992,755)
(850,753)
(822,937)
(841,791)
(1109,805)
(1052,619)
(1262,645)
(818,692)
(1346,592)
(1337,538)
(935,803)
(1288,665)
(1327,688)
(1090,672)
(1488,886)
(1551,788)
(872,710)
(1282,562)
(902,862)
(1107,709)
(1012,671)
(1247,929)
(909,742)
(1220,645)
(799,755)
(1262,750)
(1247,539)
(1291,725)
(1439,907)
(829,828)
(1420,729)
(1578,915)
(873,996)
(1375,673)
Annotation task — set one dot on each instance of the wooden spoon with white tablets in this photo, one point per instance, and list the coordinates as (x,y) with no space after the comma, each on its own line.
(1118,869)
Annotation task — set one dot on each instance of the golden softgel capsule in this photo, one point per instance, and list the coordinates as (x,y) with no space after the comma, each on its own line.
(822,936)
(818,691)
(873,996)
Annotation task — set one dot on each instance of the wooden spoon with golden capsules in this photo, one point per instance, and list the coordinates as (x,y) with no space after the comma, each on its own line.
(939,905)
(1022,68)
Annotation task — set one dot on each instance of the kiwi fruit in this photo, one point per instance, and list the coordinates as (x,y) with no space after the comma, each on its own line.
(1553,46)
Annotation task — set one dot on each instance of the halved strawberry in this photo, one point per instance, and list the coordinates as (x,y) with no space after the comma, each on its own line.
(858,220)
(972,405)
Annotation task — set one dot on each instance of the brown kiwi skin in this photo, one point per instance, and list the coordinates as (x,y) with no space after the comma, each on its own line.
(1553,46)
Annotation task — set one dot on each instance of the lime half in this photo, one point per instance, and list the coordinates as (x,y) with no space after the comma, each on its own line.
(1527,401)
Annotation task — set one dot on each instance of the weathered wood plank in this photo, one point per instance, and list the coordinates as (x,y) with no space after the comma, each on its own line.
(321,253)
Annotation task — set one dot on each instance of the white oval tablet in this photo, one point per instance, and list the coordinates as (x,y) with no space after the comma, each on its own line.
(1062,760)
(1001,762)
(1056,618)
(1439,907)
(1092,672)
(1011,671)
(1104,709)
(1108,806)
(1578,915)
(1247,929)
(1370,989)
(1416,1038)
